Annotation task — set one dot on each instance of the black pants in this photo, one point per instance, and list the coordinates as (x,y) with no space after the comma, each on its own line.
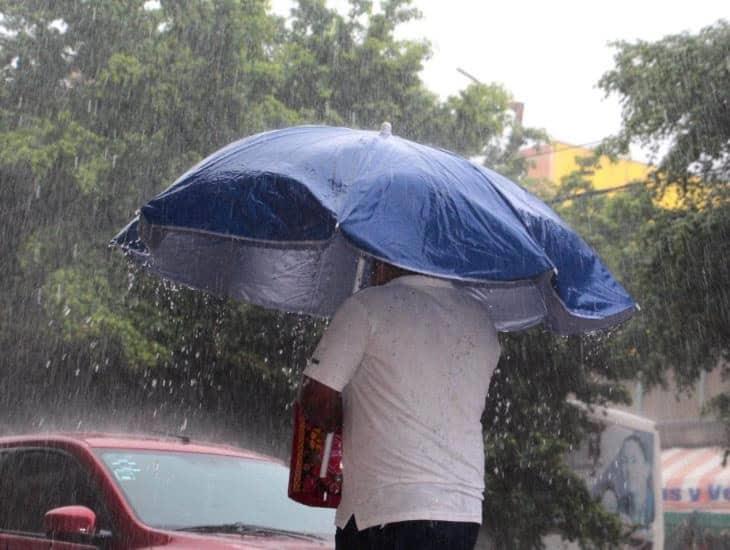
(409,535)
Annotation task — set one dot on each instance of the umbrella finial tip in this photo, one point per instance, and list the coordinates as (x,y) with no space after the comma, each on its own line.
(386,129)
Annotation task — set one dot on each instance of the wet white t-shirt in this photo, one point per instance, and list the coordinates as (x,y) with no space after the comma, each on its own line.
(413,360)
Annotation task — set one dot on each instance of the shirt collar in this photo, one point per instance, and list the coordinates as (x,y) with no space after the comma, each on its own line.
(421,281)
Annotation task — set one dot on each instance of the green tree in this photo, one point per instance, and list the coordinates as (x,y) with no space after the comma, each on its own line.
(672,92)
(671,96)
(104,104)
(530,426)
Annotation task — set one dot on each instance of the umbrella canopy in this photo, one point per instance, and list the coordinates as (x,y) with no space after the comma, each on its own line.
(289,219)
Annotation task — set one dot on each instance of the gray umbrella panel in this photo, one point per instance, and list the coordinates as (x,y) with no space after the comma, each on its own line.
(315,278)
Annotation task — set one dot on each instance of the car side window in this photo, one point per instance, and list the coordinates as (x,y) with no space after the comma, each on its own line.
(34,481)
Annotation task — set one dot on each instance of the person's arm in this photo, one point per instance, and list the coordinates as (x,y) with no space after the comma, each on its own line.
(322,406)
(333,365)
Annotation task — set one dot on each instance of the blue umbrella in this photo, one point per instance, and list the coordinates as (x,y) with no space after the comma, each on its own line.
(290,219)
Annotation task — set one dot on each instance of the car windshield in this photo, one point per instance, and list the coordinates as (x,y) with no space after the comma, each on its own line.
(181,490)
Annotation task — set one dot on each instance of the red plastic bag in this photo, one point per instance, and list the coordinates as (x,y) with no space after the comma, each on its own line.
(309,482)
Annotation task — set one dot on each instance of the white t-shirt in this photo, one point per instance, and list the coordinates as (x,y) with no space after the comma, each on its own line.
(413,360)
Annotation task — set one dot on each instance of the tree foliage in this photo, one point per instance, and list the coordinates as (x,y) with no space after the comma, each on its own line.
(670,92)
(530,490)
(673,93)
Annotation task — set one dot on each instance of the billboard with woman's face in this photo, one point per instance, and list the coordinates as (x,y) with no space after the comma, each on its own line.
(627,478)
(619,466)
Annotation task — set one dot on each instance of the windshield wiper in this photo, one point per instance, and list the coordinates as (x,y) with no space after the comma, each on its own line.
(239,528)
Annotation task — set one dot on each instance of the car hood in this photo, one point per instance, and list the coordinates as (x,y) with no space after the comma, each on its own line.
(190,541)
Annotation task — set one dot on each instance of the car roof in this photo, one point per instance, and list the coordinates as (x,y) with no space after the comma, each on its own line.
(137,442)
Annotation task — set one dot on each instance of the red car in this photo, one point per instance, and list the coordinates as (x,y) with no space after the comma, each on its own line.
(114,492)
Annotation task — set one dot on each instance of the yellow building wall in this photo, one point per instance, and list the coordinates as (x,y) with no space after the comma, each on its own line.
(607,175)
(557,160)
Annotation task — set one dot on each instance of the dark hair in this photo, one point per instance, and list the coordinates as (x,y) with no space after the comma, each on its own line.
(639,442)
(392,271)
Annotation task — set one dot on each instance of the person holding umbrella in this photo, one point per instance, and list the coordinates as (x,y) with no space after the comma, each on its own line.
(291,219)
(405,367)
